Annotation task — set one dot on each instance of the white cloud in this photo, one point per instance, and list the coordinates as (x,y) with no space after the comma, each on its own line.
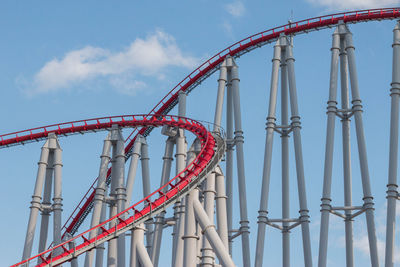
(236,9)
(353,4)
(227,27)
(143,57)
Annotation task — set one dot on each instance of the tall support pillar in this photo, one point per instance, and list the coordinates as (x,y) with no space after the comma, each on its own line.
(331,112)
(239,140)
(49,167)
(362,151)
(142,256)
(343,45)
(179,208)
(190,237)
(159,219)
(285,165)
(229,159)
(36,198)
(146,190)
(283,58)
(296,126)
(120,190)
(392,193)
(57,196)
(270,126)
(209,196)
(44,223)
(100,194)
(116,247)
(220,198)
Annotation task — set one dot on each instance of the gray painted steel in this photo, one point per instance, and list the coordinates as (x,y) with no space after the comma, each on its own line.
(392,193)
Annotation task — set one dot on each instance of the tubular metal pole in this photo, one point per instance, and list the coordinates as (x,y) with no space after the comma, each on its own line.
(362,152)
(220,198)
(220,96)
(99,195)
(112,252)
(212,235)
(57,197)
(159,222)
(392,193)
(133,260)
(190,237)
(346,155)
(209,196)
(101,248)
(120,190)
(141,251)
(239,140)
(130,180)
(36,198)
(270,126)
(146,190)
(177,258)
(296,126)
(329,148)
(285,164)
(71,245)
(44,223)
(229,158)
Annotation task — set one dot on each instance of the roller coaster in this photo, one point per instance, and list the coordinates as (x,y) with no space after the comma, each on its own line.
(201,192)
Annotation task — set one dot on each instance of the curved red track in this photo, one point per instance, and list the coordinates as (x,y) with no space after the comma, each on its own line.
(134,213)
(209,67)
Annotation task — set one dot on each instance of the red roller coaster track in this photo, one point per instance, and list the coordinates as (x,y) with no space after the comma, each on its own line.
(197,170)
(197,76)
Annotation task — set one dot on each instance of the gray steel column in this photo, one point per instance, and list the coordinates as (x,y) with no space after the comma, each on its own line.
(159,219)
(112,252)
(212,235)
(220,199)
(36,198)
(146,190)
(270,125)
(45,214)
(392,193)
(190,237)
(130,180)
(239,140)
(120,190)
(346,155)
(229,158)
(296,126)
(285,163)
(220,96)
(177,258)
(71,245)
(99,195)
(133,259)
(57,196)
(209,197)
(101,248)
(362,152)
(141,251)
(330,134)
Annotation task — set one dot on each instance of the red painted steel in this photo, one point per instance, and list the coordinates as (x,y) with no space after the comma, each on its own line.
(178,183)
(235,50)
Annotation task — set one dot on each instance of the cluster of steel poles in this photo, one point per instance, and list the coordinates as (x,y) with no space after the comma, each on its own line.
(203,228)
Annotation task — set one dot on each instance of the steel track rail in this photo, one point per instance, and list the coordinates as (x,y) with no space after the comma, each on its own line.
(212,151)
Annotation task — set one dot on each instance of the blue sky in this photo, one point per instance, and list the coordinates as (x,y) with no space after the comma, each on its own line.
(68,61)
